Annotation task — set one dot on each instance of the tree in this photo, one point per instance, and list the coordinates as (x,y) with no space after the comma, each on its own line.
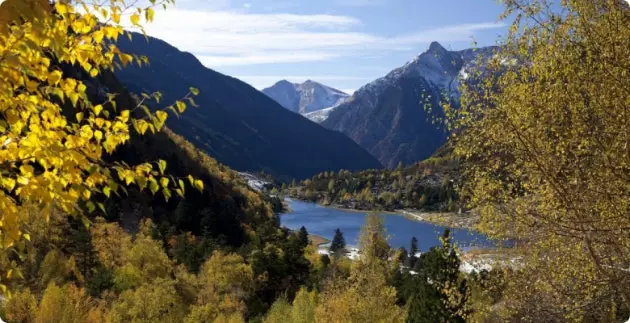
(411,260)
(338,242)
(67,304)
(153,302)
(144,262)
(303,237)
(331,185)
(20,307)
(301,311)
(111,242)
(365,296)
(54,135)
(544,139)
(373,240)
(227,281)
(438,294)
(279,312)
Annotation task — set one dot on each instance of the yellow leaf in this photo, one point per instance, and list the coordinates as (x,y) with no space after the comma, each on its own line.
(161,115)
(164,182)
(135,19)
(8,183)
(98,135)
(116,17)
(149,13)
(98,36)
(125,59)
(162,166)
(124,115)
(61,8)
(181,106)
(199,184)
(97,109)
(54,77)
(86,132)
(27,170)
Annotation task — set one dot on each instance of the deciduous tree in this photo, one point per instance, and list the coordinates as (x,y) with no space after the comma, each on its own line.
(545,133)
(53,134)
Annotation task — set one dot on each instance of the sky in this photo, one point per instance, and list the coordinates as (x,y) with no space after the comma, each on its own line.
(341,43)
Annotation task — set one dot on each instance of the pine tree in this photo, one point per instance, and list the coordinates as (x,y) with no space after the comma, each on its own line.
(338,243)
(303,237)
(411,260)
(438,293)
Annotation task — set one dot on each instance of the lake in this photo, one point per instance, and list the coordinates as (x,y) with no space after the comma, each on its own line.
(323,221)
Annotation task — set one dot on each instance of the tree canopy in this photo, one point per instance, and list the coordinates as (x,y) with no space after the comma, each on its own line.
(545,134)
(53,138)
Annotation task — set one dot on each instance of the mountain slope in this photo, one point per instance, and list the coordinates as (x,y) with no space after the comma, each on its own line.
(306,97)
(235,123)
(388,117)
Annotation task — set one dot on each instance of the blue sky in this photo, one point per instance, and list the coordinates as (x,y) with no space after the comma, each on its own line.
(341,43)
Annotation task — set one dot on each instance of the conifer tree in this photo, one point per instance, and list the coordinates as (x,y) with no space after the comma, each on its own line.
(338,242)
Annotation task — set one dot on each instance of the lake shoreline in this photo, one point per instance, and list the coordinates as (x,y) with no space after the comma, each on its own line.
(317,240)
(449,219)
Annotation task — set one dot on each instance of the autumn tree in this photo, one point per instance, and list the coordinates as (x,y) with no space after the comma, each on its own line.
(226,282)
(365,296)
(301,311)
(53,133)
(20,307)
(158,301)
(66,304)
(544,131)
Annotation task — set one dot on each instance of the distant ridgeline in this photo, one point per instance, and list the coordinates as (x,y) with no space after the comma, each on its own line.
(428,185)
(235,123)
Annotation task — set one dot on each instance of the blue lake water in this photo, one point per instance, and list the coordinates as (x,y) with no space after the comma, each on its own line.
(323,221)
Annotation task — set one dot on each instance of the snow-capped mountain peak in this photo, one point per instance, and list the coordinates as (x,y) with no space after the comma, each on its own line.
(388,116)
(306,97)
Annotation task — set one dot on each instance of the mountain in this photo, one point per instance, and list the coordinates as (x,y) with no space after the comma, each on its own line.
(305,98)
(389,117)
(236,124)
(320,115)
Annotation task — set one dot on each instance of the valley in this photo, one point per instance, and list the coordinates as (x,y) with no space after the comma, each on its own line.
(313,162)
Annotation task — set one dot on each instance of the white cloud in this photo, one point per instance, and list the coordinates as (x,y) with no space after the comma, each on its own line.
(264,58)
(361,3)
(228,38)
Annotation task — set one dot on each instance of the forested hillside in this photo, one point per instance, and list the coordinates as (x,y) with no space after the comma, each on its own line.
(429,185)
(235,123)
